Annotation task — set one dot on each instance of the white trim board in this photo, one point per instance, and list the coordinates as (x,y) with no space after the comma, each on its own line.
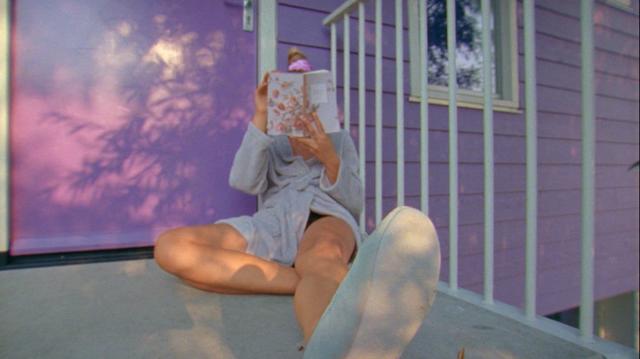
(267,42)
(267,36)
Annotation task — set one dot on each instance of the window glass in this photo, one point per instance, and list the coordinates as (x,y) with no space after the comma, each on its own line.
(469,61)
(468,41)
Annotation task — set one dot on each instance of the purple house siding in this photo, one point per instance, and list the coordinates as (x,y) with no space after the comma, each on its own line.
(124,120)
(559,150)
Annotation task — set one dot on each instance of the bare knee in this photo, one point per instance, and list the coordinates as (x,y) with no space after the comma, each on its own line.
(214,236)
(322,262)
(178,248)
(325,249)
(170,247)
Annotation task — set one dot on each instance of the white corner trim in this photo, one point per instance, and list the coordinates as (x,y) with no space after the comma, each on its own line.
(267,36)
(5,101)
(267,42)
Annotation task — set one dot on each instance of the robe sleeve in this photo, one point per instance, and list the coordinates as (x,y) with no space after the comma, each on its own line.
(251,162)
(347,189)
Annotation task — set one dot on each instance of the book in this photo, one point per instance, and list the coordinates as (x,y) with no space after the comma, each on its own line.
(294,94)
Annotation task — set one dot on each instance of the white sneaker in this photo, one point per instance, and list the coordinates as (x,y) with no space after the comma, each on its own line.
(383,300)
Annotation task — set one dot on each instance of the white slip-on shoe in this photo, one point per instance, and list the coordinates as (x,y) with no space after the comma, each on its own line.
(383,300)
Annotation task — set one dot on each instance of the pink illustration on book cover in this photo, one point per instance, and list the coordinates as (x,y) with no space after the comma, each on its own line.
(294,95)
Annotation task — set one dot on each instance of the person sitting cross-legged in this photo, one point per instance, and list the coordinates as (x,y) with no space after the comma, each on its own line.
(303,242)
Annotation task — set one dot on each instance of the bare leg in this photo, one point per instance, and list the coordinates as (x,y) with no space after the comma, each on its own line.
(322,265)
(211,258)
(314,293)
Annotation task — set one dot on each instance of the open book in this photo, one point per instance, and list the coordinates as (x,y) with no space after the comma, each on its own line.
(293,94)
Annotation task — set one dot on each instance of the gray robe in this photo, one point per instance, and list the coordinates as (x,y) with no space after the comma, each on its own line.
(289,187)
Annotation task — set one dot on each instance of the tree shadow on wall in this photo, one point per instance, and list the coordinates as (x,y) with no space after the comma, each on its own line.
(180,102)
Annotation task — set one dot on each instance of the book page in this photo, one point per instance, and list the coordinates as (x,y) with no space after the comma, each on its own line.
(318,93)
(322,98)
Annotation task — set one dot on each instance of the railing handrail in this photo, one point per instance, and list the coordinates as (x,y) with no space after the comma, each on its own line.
(346,7)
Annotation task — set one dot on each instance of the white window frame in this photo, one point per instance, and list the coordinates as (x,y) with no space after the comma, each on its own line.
(267,37)
(506,58)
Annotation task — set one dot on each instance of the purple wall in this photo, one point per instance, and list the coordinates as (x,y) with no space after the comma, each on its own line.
(559,130)
(125,119)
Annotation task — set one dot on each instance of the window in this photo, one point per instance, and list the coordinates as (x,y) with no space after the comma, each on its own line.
(469,52)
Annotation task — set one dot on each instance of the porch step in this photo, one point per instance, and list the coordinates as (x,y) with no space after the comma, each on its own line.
(132,309)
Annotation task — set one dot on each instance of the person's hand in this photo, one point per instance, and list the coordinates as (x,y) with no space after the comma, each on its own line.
(260,100)
(320,145)
(260,94)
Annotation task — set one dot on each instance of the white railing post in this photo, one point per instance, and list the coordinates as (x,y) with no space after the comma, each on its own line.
(531,109)
(346,66)
(333,51)
(453,146)
(424,108)
(588,170)
(362,125)
(487,78)
(378,96)
(399,104)
(5,103)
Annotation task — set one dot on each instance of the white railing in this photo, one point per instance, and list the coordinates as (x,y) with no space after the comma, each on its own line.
(344,13)
(488,154)
(588,169)
(531,213)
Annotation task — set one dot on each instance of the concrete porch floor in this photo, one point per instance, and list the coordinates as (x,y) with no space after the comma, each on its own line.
(132,309)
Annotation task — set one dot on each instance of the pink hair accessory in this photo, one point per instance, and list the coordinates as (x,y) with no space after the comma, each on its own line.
(300,65)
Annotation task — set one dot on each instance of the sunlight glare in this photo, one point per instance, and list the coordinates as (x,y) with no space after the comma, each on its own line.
(169,53)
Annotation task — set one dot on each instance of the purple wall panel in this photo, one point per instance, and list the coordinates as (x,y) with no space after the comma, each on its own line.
(558,253)
(559,151)
(617,153)
(612,275)
(470,180)
(616,19)
(618,131)
(566,52)
(605,15)
(125,118)
(510,205)
(565,76)
(617,220)
(614,41)
(606,107)
(618,109)
(567,27)
(554,231)
(559,264)
(616,176)
(562,126)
